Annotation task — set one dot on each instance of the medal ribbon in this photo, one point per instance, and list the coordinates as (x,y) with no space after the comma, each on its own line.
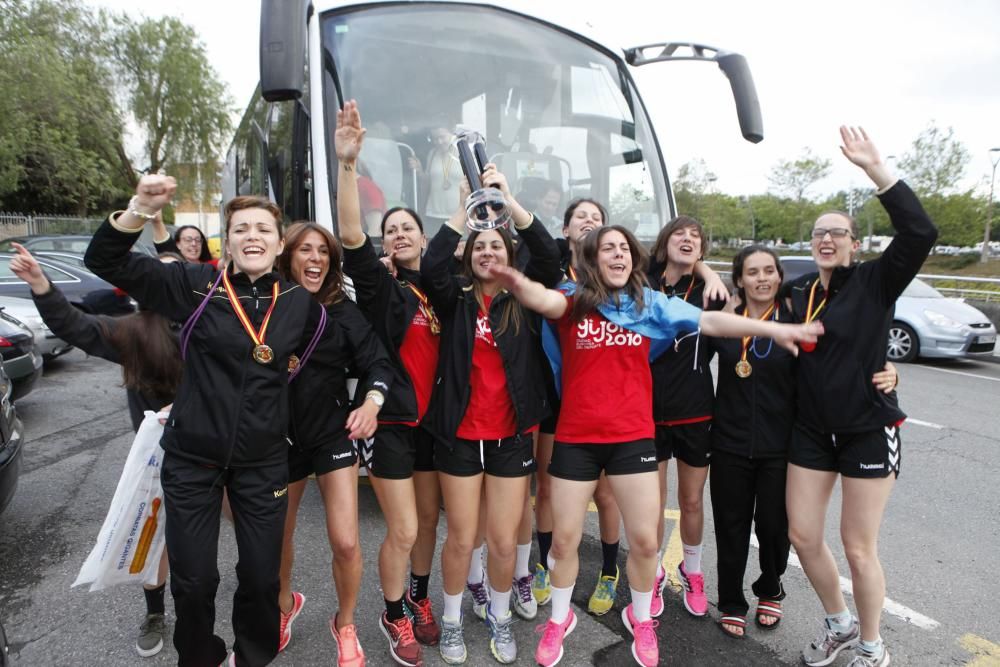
(810,313)
(686,294)
(256,336)
(746,339)
(571,272)
(426,308)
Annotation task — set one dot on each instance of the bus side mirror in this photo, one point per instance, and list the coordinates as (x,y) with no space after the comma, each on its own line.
(735,67)
(282,48)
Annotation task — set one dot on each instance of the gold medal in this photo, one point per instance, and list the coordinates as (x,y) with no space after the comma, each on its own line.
(293,363)
(425,307)
(743,368)
(263,354)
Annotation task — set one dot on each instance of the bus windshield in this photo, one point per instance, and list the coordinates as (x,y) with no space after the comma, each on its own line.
(560,115)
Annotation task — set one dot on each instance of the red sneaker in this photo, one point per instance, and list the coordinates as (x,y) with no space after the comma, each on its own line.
(349,652)
(298,601)
(402,645)
(425,628)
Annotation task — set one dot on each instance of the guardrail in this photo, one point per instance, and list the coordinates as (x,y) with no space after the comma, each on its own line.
(978,289)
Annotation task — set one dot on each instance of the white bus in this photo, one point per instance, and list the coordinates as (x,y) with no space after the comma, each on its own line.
(557,107)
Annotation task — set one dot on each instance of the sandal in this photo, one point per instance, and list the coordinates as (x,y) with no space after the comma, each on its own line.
(738,621)
(768,609)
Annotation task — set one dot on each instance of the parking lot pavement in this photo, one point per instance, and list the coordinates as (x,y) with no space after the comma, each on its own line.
(944,504)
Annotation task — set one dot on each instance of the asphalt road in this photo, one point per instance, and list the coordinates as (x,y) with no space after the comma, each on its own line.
(939,545)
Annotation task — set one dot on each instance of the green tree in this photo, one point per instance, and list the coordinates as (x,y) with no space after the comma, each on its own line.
(935,162)
(794,178)
(61,132)
(173,93)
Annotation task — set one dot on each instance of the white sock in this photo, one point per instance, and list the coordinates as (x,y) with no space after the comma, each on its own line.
(659,564)
(499,603)
(641,603)
(874,648)
(561,597)
(476,566)
(839,622)
(522,567)
(452,607)
(692,558)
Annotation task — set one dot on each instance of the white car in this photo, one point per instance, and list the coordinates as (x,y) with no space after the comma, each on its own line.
(24,309)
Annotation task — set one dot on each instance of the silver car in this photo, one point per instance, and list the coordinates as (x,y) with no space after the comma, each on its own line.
(928,324)
(24,309)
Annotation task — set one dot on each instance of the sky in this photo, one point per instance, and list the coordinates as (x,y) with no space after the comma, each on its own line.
(891,66)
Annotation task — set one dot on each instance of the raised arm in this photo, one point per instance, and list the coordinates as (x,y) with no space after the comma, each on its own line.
(549,303)
(348,140)
(165,288)
(162,240)
(87,332)
(915,233)
(727,325)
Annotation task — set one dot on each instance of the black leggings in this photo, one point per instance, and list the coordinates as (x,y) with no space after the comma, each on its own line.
(745,490)
(193,503)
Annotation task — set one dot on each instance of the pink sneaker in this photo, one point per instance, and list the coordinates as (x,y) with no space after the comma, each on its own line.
(645,646)
(298,601)
(550,648)
(656,606)
(694,591)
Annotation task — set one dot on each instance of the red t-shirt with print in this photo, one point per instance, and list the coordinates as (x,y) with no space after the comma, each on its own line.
(607,388)
(419,354)
(490,414)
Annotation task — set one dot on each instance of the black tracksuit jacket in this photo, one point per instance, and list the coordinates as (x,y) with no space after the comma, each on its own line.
(682,379)
(91,334)
(454,301)
(319,398)
(390,306)
(753,416)
(835,392)
(229,410)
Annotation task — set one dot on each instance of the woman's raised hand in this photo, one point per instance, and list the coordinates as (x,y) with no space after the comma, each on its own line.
(154,192)
(858,148)
(27,269)
(349,135)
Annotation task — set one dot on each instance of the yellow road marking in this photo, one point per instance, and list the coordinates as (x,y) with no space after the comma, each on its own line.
(985,653)
(674,552)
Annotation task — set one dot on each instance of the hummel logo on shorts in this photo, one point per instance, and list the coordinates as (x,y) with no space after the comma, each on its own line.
(872,466)
(527,464)
(647,459)
(336,457)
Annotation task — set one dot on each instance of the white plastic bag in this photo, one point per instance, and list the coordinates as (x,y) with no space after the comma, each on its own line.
(131,541)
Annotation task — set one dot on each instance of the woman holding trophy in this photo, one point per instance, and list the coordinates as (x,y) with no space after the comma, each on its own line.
(489,396)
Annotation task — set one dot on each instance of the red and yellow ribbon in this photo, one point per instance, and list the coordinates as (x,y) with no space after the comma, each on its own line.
(257,336)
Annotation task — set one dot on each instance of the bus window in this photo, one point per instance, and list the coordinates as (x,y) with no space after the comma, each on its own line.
(550,105)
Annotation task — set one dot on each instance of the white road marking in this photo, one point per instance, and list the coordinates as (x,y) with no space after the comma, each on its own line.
(890,606)
(920,422)
(971,375)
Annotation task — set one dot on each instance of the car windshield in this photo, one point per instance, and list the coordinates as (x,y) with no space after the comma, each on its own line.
(557,112)
(921,290)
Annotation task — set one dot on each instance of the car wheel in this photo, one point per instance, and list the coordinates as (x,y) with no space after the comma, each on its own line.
(903,344)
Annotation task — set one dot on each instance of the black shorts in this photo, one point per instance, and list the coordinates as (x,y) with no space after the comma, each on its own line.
(691,443)
(334,454)
(868,455)
(584,462)
(397,450)
(510,457)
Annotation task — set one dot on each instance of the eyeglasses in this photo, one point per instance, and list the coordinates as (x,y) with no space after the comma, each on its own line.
(834,232)
(196,240)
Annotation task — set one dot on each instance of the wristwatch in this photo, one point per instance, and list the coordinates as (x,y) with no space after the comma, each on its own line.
(376,397)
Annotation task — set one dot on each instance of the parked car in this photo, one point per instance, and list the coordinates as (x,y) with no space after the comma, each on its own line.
(82,288)
(11,438)
(22,360)
(75,244)
(64,257)
(25,310)
(927,323)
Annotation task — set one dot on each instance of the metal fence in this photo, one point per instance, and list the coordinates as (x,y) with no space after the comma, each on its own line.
(23,224)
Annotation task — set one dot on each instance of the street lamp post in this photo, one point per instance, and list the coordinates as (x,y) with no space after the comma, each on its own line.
(995,159)
(753,223)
